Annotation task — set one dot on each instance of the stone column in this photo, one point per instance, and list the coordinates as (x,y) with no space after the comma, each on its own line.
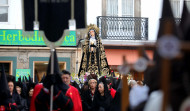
(137,13)
(104,7)
(137,8)
(23,60)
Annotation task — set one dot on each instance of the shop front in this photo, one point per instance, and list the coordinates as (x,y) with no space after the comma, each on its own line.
(25,55)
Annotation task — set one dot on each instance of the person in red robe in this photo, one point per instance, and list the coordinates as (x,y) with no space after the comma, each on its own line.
(37,90)
(61,102)
(72,92)
(41,97)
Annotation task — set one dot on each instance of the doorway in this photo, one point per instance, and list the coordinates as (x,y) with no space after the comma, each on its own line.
(7,66)
(40,68)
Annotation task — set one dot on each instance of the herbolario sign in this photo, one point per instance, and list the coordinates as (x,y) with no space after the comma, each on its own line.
(16,37)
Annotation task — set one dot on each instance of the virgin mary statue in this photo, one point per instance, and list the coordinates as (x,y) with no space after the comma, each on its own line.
(94,59)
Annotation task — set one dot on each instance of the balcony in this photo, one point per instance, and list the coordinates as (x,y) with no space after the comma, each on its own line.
(123,28)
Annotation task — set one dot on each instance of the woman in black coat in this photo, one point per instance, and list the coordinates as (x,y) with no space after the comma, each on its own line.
(102,98)
(88,95)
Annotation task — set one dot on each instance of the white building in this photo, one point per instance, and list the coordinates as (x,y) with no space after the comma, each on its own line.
(10,14)
(150,9)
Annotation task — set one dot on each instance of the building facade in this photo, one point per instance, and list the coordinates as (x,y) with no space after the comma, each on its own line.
(22,55)
(119,35)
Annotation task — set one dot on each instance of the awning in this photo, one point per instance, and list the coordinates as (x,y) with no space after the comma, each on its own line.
(115,56)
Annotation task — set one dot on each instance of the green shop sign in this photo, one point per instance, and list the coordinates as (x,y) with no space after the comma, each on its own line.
(16,37)
(22,73)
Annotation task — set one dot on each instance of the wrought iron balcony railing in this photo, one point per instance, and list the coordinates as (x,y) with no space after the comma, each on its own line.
(123,28)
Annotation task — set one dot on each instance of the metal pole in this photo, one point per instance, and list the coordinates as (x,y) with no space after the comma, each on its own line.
(85,17)
(52,71)
(23,19)
(36,11)
(72,9)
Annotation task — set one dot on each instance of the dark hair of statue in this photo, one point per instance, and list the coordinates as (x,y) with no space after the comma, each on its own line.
(89,34)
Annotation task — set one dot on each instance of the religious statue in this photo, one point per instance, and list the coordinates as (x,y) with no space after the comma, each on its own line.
(94,58)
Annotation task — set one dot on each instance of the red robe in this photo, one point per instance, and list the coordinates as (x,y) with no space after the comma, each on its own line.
(37,90)
(112,92)
(73,93)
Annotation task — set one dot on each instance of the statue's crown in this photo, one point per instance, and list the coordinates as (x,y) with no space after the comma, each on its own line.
(93,27)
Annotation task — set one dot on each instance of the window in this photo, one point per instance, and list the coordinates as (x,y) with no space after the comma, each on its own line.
(112,8)
(175,5)
(127,8)
(123,8)
(188,4)
(4,10)
(7,67)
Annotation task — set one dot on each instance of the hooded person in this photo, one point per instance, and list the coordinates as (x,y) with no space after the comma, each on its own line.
(24,87)
(12,88)
(184,25)
(19,79)
(75,84)
(26,79)
(85,87)
(43,77)
(102,98)
(116,103)
(116,82)
(36,79)
(20,90)
(151,79)
(176,90)
(23,79)
(109,81)
(6,101)
(30,79)
(18,86)
(185,28)
(112,73)
(29,93)
(41,97)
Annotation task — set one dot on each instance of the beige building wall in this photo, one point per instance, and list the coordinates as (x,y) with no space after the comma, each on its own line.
(23,54)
